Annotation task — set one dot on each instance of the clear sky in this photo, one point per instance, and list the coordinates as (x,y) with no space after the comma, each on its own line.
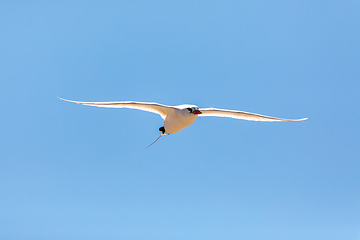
(77,172)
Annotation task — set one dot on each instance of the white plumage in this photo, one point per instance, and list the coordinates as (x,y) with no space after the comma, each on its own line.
(179,117)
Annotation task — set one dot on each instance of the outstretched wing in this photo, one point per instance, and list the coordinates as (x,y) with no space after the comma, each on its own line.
(215,112)
(160,109)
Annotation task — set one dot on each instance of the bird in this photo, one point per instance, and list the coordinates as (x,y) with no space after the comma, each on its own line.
(176,118)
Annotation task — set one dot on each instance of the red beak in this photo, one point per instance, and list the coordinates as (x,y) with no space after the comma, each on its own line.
(197,112)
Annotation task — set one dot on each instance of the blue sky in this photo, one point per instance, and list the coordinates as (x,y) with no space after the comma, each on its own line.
(76,172)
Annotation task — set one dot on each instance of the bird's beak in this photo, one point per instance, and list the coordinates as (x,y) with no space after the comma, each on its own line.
(197,112)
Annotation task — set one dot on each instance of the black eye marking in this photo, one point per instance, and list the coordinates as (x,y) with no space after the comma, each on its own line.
(189,109)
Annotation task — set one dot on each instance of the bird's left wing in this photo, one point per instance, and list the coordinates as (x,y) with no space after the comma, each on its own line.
(160,109)
(215,112)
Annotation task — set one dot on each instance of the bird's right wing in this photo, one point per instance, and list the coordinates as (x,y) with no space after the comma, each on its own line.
(160,109)
(215,112)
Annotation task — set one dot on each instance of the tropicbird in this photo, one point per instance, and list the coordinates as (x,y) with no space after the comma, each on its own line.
(176,118)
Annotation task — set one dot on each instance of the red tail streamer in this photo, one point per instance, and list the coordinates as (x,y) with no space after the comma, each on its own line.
(154,141)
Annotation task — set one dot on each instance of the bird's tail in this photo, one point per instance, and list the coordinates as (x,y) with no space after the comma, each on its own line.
(154,141)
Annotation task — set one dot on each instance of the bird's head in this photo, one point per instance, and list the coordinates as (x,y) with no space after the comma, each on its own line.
(191,109)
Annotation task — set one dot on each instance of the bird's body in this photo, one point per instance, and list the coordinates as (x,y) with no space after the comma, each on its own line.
(179,117)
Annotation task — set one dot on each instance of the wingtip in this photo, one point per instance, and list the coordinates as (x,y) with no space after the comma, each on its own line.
(294,120)
(302,119)
(67,100)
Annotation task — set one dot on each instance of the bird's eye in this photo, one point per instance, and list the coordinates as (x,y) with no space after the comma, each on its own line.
(190,110)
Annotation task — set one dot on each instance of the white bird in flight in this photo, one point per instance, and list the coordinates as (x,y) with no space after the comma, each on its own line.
(176,118)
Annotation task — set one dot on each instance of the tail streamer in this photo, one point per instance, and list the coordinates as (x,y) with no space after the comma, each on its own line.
(154,141)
